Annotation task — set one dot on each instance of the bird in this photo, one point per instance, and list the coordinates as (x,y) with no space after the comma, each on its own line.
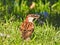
(27,26)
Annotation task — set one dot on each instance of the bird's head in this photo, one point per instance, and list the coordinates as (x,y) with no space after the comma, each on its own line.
(31,17)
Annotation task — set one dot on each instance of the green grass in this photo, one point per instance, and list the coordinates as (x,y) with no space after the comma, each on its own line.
(43,35)
(11,14)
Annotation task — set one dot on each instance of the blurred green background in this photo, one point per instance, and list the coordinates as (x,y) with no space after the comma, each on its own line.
(13,12)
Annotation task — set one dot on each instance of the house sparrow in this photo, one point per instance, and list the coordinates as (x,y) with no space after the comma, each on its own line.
(27,27)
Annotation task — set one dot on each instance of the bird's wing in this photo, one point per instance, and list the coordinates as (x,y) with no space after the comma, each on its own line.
(22,27)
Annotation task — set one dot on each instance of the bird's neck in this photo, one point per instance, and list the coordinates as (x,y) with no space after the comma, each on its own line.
(29,20)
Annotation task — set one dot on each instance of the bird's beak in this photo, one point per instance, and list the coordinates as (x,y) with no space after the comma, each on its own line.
(36,16)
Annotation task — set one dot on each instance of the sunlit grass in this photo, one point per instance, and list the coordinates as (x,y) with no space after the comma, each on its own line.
(11,14)
(43,35)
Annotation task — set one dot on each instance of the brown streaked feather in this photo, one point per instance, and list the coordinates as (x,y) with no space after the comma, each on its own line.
(27,27)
